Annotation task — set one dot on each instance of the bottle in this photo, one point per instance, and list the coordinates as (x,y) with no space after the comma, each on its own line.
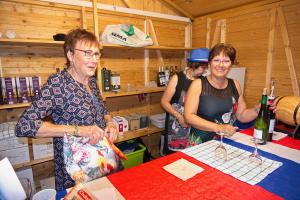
(161,77)
(261,124)
(171,72)
(271,114)
(167,75)
(176,70)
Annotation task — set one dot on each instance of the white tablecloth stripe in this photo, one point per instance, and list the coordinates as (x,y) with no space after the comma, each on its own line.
(276,149)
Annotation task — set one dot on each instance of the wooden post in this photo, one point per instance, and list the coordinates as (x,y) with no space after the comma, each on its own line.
(270,48)
(208,30)
(223,31)
(95,18)
(288,52)
(96,32)
(155,42)
(187,43)
(83,18)
(127,3)
(216,33)
(146,54)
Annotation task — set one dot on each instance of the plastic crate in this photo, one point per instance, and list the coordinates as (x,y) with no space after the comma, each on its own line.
(134,158)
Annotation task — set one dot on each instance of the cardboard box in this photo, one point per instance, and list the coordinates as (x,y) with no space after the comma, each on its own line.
(9,86)
(23,89)
(133,121)
(42,148)
(16,155)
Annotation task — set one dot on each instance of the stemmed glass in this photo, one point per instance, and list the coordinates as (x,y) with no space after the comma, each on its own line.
(220,151)
(254,157)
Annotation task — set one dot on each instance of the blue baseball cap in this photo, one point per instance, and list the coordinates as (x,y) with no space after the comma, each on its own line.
(199,55)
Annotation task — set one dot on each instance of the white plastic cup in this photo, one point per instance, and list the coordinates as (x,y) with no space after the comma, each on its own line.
(46,194)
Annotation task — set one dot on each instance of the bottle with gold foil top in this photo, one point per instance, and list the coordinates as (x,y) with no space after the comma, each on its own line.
(271,114)
(261,123)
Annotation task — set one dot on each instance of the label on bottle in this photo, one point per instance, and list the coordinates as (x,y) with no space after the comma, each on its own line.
(258,134)
(271,125)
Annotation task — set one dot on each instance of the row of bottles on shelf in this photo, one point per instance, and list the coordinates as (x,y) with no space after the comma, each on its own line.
(18,89)
(265,121)
(164,75)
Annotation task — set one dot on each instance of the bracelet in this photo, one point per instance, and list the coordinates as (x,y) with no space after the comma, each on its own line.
(65,129)
(75,130)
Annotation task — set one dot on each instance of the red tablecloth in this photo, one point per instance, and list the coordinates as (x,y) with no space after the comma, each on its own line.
(287,141)
(151,181)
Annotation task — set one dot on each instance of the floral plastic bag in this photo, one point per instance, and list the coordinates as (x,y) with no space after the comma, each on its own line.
(126,35)
(85,162)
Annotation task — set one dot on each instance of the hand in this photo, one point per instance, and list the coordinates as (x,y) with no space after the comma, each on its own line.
(111,131)
(93,132)
(227,129)
(182,121)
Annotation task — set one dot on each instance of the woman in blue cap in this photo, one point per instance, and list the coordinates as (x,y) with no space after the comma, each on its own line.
(176,135)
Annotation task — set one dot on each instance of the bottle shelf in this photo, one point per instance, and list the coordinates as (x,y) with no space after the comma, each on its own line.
(17,105)
(134,91)
(127,136)
(105,95)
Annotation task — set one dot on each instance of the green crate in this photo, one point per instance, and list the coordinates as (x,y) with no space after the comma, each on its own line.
(134,158)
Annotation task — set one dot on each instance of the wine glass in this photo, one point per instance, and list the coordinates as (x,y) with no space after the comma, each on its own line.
(220,151)
(26,184)
(254,157)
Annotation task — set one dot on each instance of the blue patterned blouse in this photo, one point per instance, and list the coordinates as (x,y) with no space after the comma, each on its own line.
(66,101)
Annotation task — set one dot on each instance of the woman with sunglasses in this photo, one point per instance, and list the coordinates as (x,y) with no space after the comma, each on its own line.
(214,102)
(176,128)
(71,98)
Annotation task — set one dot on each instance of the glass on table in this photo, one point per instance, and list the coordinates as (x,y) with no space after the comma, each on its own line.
(254,157)
(220,151)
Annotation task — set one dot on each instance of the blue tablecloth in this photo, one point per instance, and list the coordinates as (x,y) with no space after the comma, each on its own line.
(285,181)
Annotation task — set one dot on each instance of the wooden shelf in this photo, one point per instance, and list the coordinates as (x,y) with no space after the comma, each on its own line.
(52,43)
(127,136)
(104,95)
(133,92)
(139,133)
(17,105)
(29,42)
(33,162)
(107,46)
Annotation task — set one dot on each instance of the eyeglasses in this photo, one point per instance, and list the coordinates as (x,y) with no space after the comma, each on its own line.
(219,61)
(89,54)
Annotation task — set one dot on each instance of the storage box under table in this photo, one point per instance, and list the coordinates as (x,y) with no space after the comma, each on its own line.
(135,158)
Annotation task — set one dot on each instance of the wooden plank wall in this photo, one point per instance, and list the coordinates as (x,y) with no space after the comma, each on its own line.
(40,20)
(248,31)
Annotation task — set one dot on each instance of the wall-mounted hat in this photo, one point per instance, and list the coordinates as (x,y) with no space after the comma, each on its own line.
(199,55)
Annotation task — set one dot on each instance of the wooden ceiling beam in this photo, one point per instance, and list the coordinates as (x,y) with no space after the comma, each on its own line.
(177,8)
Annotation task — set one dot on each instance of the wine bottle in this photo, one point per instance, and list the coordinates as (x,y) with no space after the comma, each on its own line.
(271,114)
(261,124)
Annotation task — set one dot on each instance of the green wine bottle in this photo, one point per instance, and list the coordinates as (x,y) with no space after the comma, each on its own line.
(261,123)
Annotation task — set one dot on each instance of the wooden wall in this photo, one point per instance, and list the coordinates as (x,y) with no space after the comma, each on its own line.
(41,20)
(248,30)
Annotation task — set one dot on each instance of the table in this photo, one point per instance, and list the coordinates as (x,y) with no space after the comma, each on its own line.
(151,181)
